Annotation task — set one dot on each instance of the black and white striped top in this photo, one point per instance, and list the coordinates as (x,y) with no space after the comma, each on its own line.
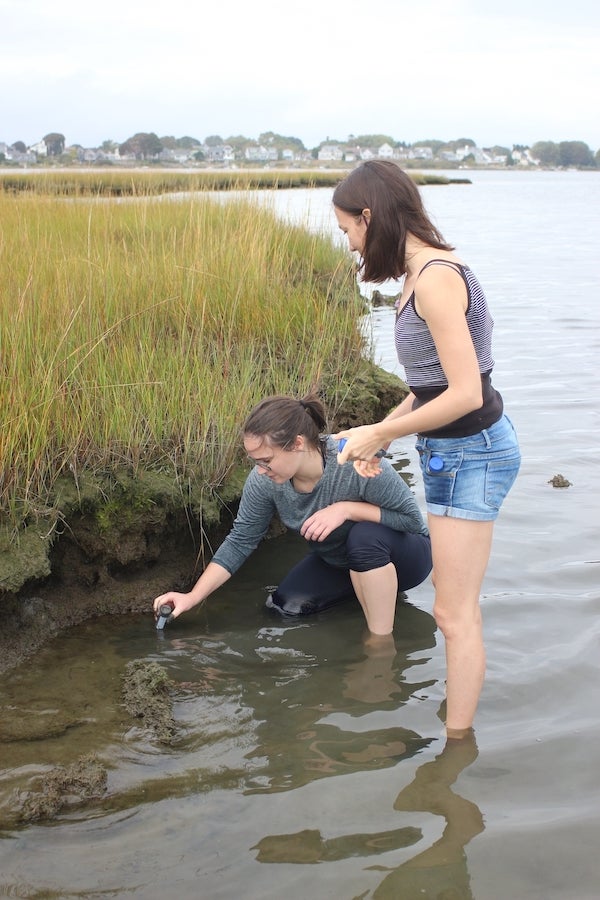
(415,346)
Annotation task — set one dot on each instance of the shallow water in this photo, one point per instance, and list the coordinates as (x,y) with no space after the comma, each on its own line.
(308,762)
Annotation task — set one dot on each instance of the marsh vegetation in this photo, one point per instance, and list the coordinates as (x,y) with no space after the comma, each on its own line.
(136,336)
(145,182)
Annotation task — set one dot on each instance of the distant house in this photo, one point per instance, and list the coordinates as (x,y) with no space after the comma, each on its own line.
(479,155)
(386,151)
(17,156)
(261,154)
(496,159)
(40,149)
(524,158)
(223,153)
(421,153)
(87,155)
(330,153)
(177,155)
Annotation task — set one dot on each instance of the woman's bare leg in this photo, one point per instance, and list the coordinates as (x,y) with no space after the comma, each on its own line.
(377,591)
(461,550)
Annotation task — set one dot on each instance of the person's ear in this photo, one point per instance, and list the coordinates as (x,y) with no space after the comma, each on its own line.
(366,214)
(299,443)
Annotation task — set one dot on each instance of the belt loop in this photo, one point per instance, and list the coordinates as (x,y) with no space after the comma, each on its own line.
(486,438)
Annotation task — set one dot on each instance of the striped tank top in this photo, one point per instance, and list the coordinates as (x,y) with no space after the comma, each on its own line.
(418,355)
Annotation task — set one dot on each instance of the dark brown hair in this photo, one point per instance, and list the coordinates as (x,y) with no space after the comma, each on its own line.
(282,419)
(396,209)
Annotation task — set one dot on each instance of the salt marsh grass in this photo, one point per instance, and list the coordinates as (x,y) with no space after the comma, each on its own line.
(138,334)
(148,182)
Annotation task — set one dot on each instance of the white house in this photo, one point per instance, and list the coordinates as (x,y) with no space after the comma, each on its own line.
(331,153)
(261,154)
(40,148)
(385,151)
(221,153)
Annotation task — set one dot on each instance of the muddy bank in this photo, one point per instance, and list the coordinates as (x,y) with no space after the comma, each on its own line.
(113,552)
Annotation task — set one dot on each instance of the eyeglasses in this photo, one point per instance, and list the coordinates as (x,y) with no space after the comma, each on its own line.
(267,465)
(261,465)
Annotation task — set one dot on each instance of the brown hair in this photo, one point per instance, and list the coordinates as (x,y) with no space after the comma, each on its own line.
(282,419)
(396,209)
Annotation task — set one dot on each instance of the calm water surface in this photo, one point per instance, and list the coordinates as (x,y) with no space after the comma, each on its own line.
(309,763)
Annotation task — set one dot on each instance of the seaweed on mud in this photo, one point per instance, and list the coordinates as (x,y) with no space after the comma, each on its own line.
(147,696)
(63,786)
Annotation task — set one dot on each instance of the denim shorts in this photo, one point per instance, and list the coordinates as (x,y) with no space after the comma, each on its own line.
(469,477)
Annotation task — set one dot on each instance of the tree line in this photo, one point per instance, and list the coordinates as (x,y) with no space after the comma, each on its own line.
(147,146)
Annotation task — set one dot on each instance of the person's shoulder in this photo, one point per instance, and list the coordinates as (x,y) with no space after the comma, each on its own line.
(393,480)
(257,484)
(441,264)
(330,445)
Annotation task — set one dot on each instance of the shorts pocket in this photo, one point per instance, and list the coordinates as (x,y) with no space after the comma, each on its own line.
(440,464)
(499,478)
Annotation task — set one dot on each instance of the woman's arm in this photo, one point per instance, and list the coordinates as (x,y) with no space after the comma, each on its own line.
(322,522)
(441,299)
(212,578)
(386,499)
(251,523)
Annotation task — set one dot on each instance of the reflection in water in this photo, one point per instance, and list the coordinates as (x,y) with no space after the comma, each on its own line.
(308,726)
(440,871)
(264,711)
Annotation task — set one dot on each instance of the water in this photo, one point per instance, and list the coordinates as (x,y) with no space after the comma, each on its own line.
(309,763)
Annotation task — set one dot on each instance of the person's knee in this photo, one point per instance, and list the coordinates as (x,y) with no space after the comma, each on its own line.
(291,604)
(301,604)
(456,621)
(364,548)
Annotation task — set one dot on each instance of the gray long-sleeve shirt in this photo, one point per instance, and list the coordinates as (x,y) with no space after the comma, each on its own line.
(262,498)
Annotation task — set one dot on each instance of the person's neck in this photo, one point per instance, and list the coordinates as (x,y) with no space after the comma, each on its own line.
(310,472)
(414,255)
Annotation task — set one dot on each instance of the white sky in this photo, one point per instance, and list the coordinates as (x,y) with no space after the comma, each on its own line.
(502,72)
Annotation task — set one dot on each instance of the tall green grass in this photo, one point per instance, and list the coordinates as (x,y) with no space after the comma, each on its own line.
(139,334)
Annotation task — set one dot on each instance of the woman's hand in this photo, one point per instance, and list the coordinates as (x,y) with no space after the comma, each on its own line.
(179,602)
(320,525)
(368,468)
(362,444)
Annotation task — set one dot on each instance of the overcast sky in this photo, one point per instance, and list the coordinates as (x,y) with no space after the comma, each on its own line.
(501,73)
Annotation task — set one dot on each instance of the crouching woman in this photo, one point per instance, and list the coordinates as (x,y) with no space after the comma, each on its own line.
(366,537)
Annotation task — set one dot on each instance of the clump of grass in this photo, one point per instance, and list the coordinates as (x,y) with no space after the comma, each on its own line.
(137,335)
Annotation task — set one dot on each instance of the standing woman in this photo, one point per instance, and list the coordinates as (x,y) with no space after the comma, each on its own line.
(468,449)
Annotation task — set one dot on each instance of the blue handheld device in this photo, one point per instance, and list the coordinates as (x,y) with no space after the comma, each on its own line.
(381,454)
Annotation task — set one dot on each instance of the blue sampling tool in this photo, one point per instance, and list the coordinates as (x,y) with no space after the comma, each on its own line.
(381,454)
